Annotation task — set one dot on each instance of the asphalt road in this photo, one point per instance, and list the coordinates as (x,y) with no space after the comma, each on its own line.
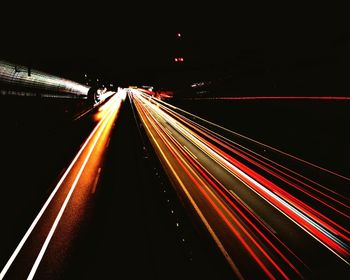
(257,237)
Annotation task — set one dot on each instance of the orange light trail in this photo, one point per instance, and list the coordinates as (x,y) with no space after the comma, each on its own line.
(89,157)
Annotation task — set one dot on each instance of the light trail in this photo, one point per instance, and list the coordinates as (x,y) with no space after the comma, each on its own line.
(113,109)
(255,141)
(266,164)
(267,194)
(209,195)
(199,212)
(94,136)
(223,212)
(283,188)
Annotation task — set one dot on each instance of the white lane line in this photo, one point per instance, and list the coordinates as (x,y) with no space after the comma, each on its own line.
(188,150)
(41,212)
(96,181)
(64,205)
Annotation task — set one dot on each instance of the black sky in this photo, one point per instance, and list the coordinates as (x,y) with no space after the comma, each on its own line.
(126,37)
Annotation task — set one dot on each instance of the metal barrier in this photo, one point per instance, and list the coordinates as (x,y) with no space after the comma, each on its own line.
(55,87)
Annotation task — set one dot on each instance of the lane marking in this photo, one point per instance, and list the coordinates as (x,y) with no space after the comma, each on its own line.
(96,181)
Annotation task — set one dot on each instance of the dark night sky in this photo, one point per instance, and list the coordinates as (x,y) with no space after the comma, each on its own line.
(128,38)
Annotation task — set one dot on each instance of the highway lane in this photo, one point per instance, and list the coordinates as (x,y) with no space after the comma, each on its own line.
(65,205)
(261,232)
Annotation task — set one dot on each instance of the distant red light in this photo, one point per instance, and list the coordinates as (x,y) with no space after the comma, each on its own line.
(179,59)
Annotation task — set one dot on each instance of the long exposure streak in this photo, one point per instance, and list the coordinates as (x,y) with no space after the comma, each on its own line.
(248,199)
(73,180)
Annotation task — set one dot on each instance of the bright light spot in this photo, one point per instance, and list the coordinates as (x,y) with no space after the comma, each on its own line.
(122,93)
(179,59)
(178,34)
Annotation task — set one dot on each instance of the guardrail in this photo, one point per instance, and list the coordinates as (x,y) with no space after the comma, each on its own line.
(55,87)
